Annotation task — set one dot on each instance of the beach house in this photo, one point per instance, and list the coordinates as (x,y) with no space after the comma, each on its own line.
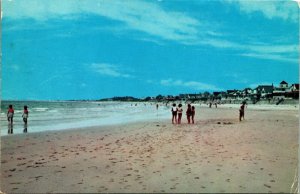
(293,91)
(263,91)
(283,85)
(280,91)
(247,93)
(294,88)
(232,94)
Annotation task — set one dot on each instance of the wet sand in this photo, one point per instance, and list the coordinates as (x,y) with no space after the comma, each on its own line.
(216,154)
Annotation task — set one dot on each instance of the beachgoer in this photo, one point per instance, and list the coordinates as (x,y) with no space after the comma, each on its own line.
(10,114)
(210,104)
(189,113)
(25,117)
(180,110)
(193,114)
(242,112)
(25,114)
(174,113)
(156,106)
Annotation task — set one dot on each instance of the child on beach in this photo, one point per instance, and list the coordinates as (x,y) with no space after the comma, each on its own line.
(193,114)
(189,113)
(180,110)
(174,113)
(10,114)
(242,112)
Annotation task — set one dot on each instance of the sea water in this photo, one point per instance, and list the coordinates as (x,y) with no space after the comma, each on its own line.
(62,115)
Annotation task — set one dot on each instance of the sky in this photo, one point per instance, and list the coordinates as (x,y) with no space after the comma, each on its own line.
(93,49)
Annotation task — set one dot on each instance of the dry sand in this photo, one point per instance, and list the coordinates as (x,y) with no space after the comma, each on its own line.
(216,154)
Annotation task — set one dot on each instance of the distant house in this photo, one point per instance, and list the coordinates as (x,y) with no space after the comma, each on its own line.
(264,91)
(293,91)
(232,93)
(192,96)
(294,87)
(284,85)
(219,95)
(281,91)
(216,93)
(170,98)
(247,91)
(183,97)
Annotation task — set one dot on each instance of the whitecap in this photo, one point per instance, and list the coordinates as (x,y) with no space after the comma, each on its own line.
(40,109)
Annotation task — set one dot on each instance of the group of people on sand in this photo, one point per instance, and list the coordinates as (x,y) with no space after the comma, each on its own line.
(190,113)
(177,113)
(10,117)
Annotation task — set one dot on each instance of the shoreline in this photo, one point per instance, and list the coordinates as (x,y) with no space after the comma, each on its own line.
(216,154)
(202,107)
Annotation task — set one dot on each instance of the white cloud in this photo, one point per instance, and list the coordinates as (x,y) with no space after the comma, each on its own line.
(274,48)
(270,52)
(109,70)
(286,10)
(189,84)
(150,18)
(138,15)
(275,57)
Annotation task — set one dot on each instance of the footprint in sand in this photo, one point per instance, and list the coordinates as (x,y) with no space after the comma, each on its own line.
(16,183)
(267,185)
(37,177)
(21,164)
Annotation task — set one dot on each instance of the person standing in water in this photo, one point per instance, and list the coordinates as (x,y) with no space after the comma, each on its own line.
(174,114)
(10,118)
(10,114)
(179,110)
(25,117)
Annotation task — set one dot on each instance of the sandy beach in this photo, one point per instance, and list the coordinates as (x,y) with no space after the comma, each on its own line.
(216,154)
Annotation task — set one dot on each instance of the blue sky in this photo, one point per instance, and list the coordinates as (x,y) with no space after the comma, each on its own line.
(92,49)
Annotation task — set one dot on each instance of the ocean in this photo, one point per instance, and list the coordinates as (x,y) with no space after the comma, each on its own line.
(63,115)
